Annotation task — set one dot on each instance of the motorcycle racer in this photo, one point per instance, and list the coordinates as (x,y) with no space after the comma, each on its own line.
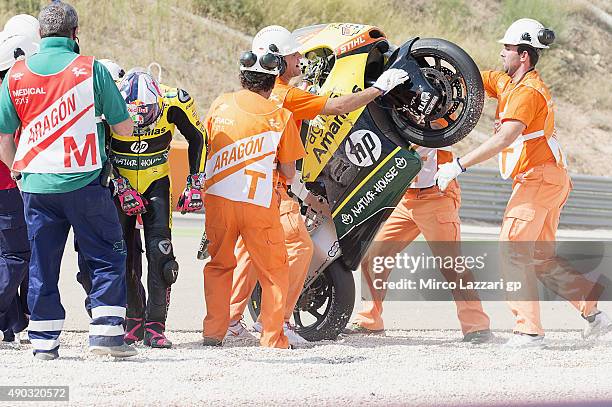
(142,163)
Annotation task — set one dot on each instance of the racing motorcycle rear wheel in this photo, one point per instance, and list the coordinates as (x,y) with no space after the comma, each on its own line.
(456,77)
(324,308)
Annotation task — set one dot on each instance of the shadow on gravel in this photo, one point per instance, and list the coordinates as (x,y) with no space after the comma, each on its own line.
(422,338)
(193,345)
(446,339)
(370,341)
(226,344)
(564,346)
(316,360)
(408,338)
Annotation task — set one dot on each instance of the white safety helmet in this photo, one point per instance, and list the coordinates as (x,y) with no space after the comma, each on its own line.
(277,35)
(12,47)
(528,32)
(24,24)
(262,60)
(116,71)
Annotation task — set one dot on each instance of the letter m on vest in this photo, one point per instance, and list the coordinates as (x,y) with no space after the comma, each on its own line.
(71,149)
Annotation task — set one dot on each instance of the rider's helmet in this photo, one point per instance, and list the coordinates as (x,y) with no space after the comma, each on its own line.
(24,24)
(13,47)
(527,31)
(277,35)
(116,71)
(143,97)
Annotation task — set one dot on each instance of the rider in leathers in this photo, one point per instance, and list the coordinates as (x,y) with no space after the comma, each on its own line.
(142,163)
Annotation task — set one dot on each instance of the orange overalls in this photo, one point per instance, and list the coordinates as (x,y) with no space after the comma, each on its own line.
(248,135)
(304,106)
(540,189)
(423,209)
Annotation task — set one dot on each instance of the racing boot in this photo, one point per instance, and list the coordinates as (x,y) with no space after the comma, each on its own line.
(154,336)
(134,330)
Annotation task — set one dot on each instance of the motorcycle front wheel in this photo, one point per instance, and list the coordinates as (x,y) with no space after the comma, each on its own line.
(324,308)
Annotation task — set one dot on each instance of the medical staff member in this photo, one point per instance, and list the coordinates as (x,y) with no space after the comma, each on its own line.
(56,98)
(304,106)
(530,153)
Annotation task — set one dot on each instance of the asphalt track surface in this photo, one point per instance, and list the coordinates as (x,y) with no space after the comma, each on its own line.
(421,361)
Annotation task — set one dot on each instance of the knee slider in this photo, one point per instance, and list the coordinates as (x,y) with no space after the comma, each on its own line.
(159,251)
(170,272)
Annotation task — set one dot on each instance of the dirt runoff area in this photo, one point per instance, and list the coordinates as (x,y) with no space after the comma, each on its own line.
(421,362)
(407,367)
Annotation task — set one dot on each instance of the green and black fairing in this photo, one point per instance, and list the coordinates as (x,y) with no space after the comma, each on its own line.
(365,179)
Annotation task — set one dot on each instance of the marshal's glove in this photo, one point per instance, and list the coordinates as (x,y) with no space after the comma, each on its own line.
(191,198)
(447,173)
(132,203)
(390,79)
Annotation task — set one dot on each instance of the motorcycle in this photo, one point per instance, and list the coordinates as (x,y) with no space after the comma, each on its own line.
(359,165)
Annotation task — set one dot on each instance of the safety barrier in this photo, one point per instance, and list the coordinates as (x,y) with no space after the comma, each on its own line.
(485,194)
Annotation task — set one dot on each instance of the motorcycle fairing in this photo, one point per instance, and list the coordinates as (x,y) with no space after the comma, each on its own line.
(364,180)
(350,44)
(341,38)
(325,133)
(359,158)
(361,194)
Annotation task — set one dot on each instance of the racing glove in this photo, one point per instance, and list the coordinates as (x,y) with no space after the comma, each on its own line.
(447,173)
(191,198)
(131,202)
(390,79)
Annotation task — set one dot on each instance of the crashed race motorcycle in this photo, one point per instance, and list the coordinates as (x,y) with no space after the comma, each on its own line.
(359,165)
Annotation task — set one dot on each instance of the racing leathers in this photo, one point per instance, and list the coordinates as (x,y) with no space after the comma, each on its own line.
(143,160)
